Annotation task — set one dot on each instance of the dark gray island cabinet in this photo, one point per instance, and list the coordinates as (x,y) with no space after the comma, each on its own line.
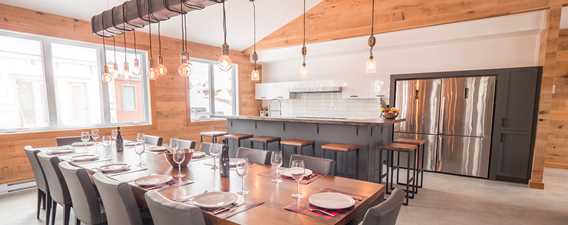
(370,134)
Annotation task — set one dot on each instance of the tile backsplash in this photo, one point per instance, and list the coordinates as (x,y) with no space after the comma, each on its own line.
(324,105)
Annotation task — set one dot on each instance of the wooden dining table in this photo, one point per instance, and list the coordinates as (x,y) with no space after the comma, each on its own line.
(273,199)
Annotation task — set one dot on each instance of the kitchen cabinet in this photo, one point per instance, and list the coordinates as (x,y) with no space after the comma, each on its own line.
(271,91)
(363,89)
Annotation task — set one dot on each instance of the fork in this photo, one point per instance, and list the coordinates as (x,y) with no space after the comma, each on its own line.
(321,211)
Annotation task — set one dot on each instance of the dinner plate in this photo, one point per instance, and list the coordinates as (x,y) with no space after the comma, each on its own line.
(157,148)
(83,158)
(198,154)
(114,167)
(152,180)
(131,143)
(60,150)
(82,144)
(331,200)
(287,172)
(215,199)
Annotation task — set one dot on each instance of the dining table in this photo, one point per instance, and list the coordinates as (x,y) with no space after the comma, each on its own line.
(267,202)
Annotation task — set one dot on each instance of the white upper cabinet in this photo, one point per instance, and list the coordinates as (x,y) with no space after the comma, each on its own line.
(364,89)
(271,91)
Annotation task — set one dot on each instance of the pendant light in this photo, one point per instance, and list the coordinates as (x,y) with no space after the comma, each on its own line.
(225,63)
(371,65)
(136,65)
(154,74)
(184,69)
(304,68)
(115,72)
(162,70)
(255,74)
(126,66)
(107,76)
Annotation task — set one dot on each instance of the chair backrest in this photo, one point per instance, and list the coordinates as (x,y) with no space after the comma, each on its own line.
(62,141)
(84,195)
(39,175)
(118,199)
(254,155)
(386,212)
(167,212)
(153,140)
(206,146)
(57,187)
(317,165)
(183,143)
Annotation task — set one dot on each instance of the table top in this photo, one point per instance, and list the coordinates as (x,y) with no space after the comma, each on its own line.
(258,181)
(321,120)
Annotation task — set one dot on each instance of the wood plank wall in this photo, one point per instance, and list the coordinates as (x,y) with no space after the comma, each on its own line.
(169,95)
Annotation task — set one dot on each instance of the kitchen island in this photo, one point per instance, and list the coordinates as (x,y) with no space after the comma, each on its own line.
(367,133)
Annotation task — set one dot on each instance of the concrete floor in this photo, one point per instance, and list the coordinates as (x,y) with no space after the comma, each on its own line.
(445,199)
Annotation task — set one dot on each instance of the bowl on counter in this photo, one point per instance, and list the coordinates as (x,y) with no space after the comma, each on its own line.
(389,115)
(188,155)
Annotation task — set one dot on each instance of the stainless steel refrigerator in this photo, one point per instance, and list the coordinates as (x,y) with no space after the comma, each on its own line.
(454,116)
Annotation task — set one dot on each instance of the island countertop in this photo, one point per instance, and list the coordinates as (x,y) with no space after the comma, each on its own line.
(321,120)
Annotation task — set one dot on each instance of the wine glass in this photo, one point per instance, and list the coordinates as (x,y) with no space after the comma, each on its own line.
(215,150)
(178,158)
(298,171)
(85,137)
(139,151)
(95,134)
(242,170)
(276,162)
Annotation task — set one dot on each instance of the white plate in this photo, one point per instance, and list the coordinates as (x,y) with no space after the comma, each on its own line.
(60,150)
(157,148)
(331,200)
(83,158)
(82,144)
(115,167)
(153,180)
(215,199)
(198,154)
(287,172)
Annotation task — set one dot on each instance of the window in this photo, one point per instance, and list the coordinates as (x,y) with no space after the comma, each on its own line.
(212,91)
(51,83)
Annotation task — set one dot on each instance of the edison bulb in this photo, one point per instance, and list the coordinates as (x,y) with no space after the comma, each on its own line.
(136,67)
(371,66)
(255,75)
(126,72)
(115,69)
(304,70)
(154,73)
(184,69)
(225,63)
(162,70)
(107,76)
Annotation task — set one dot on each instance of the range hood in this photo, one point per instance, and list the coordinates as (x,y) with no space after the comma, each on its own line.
(316,89)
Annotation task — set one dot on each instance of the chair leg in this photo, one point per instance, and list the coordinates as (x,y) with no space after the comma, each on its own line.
(43,200)
(357,164)
(200,139)
(48,208)
(67,214)
(422,166)
(77,222)
(39,194)
(53,212)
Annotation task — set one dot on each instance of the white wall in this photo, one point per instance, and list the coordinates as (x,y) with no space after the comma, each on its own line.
(509,41)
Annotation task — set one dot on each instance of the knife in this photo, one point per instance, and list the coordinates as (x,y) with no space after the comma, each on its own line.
(238,210)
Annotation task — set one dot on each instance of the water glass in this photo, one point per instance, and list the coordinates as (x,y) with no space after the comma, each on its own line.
(298,173)
(114,134)
(140,138)
(276,162)
(178,158)
(107,142)
(95,134)
(139,151)
(85,137)
(242,170)
(215,150)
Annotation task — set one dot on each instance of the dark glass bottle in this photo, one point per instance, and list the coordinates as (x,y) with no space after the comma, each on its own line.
(225,166)
(119,141)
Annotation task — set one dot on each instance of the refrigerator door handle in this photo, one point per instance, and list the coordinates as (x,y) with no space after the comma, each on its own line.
(441,115)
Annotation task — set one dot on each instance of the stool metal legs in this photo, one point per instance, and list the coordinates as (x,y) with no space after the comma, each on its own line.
(411,187)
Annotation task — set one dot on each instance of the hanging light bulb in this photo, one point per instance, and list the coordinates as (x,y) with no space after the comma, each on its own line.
(371,65)
(161,68)
(304,67)
(255,74)
(304,70)
(136,66)
(184,69)
(107,76)
(225,63)
(126,72)
(114,67)
(154,73)
(126,67)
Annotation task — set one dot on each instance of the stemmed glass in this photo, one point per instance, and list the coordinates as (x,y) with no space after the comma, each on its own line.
(140,149)
(178,155)
(85,137)
(95,134)
(215,150)
(107,141)
(276,162)
(242,170)
(298,172)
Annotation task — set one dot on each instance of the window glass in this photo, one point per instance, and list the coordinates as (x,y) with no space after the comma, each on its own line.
(211,90)
(128,98)
(224,93)
(199,89)
(23,101)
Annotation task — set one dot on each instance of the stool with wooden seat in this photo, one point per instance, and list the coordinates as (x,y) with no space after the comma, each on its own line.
(237,137)
(299,144)
(211,134)
(420,161)
(399,148)
(335,148)
(265,140)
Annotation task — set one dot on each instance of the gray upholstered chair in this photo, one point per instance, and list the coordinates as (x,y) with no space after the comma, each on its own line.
(41,184)
(168,212)
(58,190)
(84,195)
(153,140)
(317,165)
(119,201)
(206,147)
(254,155)
(183,143)
(386,212)
(62,141)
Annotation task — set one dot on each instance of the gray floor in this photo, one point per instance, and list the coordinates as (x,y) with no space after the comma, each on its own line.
(444,200)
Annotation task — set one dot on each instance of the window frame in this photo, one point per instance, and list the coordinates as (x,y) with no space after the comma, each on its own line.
(46,56)
(211,78)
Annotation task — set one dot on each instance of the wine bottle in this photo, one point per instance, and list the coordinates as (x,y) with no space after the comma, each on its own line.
(119,141)
(225,165)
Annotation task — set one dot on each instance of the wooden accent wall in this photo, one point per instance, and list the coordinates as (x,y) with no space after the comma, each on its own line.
(169,95)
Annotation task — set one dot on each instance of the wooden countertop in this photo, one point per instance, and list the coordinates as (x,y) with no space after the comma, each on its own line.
(322,120)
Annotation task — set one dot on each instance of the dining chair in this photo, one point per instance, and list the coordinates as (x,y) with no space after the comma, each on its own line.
(205,147)
(118,199)
(386,212)
(58,190)
(153,140)
(84,196)
(62,141)
(254,155)
(183,143)
(168,212)
(41,183)
(317,165)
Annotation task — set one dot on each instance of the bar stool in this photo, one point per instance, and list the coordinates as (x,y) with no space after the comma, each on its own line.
(420,163)
(398,148)
(237,137)
(265,140)
(299,144)
(335,148)
(211,134)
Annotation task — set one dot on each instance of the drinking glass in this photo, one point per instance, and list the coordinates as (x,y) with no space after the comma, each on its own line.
(215,150)
(114,133)
(107,142)
(85,137)
(276,162)
(178,157)
(242,170)
(140,149)
(140,138)
(298,172)
(95,134)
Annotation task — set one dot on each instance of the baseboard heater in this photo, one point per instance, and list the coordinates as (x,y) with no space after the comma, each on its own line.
(23,185)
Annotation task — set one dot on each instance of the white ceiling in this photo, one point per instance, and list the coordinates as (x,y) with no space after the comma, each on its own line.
(204,26)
